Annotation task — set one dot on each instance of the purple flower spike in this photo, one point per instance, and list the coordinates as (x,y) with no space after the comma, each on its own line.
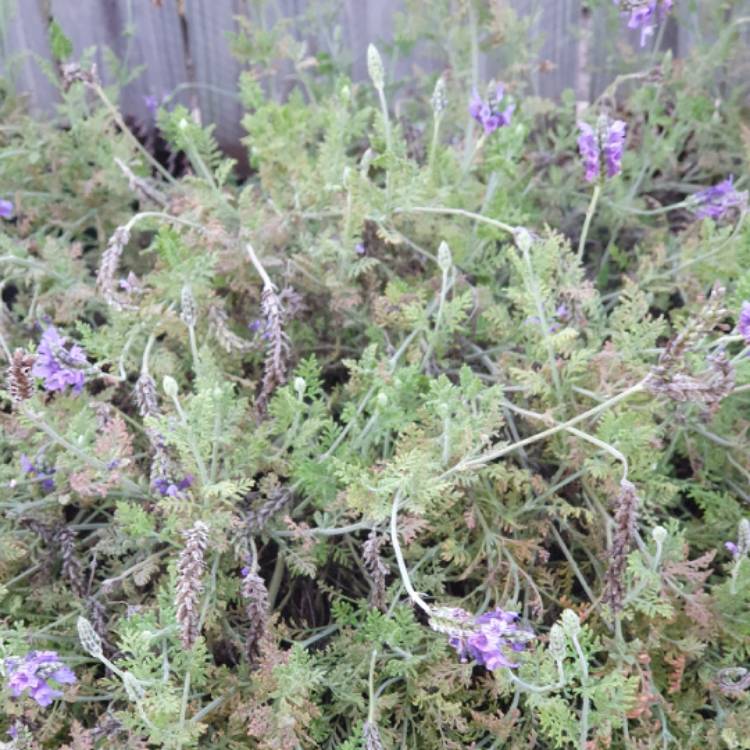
(59,366)
(485,638)
(743,324)
(718,201)
(645,14)
(168,488)
(6,209)
(488,113)
(33,674)
(601,147)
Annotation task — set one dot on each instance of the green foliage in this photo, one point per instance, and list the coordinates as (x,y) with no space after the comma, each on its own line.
(384,325)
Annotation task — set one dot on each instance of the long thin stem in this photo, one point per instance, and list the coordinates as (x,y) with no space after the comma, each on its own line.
(117,117)
(457,212)
(497,453)
(584,722)
(371,687)
(587,222)
(405,579)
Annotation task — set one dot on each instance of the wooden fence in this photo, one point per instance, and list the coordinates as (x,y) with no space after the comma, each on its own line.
(181,42)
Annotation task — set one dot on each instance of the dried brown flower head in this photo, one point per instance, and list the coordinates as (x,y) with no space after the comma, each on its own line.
(622,541)
(190,570)
(255,594)
(376,568)
(20,383)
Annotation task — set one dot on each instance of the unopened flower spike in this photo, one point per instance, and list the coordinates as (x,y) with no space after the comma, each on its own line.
(375,67)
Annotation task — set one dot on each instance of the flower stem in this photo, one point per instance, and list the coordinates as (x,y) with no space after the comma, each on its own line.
(587,221)
(413,595)
(497,453)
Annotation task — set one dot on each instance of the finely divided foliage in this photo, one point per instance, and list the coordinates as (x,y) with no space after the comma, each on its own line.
(424,426)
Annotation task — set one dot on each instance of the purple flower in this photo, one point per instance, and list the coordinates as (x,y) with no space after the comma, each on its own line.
(152,104)
(601,147)
(166,487)
(43,473)
(359,248)
(255,325)
(644,14)
(562,313)
(488,113)
(6,209)
(743,324)
(33,673)
(486,638)
(715,202)
(733,549)
(613,143)
(588,146)
(57,365)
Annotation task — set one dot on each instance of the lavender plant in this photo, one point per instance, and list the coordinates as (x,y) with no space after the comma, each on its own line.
(391,441)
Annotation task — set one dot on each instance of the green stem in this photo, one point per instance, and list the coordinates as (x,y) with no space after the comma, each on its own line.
(371,687)
(584,684)
(587,222)
(457,212)
(115,115)
(497,453)
(405,579)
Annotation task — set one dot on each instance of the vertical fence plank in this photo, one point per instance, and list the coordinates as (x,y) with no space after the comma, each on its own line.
(24,39)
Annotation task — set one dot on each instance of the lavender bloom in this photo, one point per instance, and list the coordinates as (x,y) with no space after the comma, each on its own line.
(588,147)
(165,487)
(58,366)
(743,324)
(33,673)
(488,113)
(485,638)
(27,467)
(152,104)
(733,549)
(715,202)
(6,209)
(601,148)
(644,14)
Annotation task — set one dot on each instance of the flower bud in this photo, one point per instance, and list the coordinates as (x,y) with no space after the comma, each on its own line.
(366,161)
(743,536)
(169,384)
(89,638)
(382,400)
(523,239)
(375,67)
(299,387)
(571,623)
(445,260)
(557,642)
(659,534)
(188,310)
(439,101)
